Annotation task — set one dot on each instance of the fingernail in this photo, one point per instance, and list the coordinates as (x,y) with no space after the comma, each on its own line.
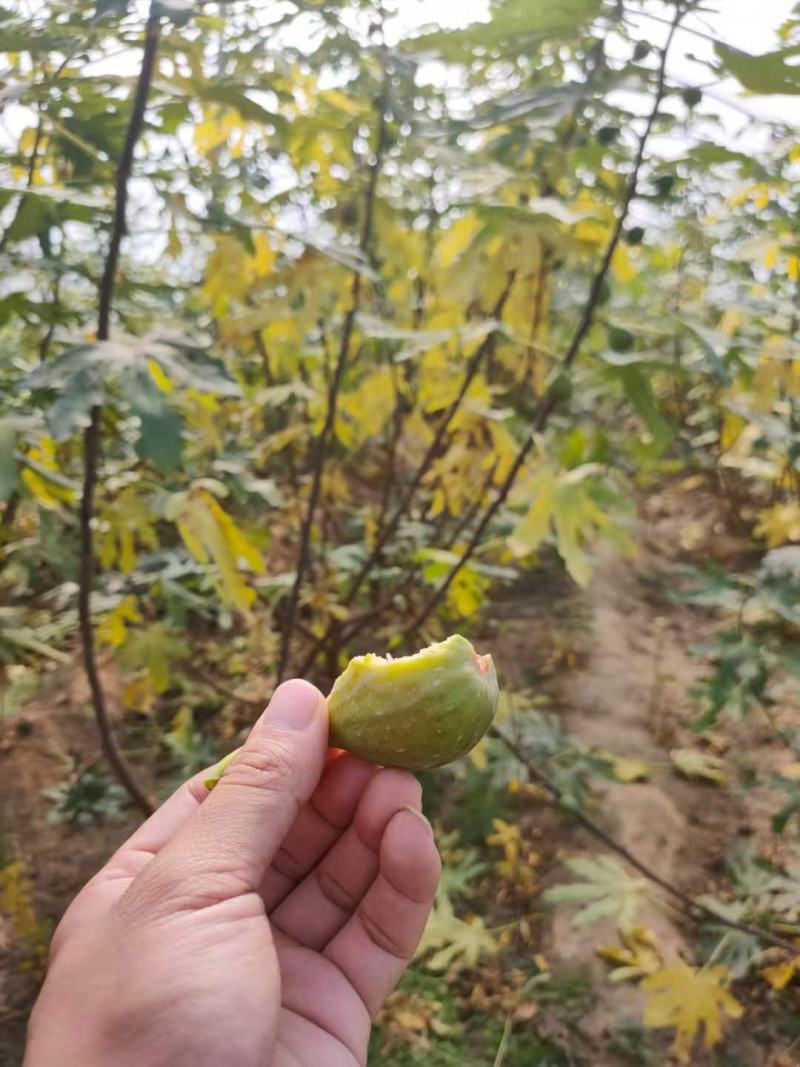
(420,816)
(292,707)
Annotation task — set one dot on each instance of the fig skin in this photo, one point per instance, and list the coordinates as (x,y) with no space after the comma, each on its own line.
(417,712)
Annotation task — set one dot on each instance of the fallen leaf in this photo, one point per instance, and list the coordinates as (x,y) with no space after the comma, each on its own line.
(692,763)
(636,957)
(687,998)
(606,890)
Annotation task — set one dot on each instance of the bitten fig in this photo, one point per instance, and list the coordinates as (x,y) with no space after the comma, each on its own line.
(417,711)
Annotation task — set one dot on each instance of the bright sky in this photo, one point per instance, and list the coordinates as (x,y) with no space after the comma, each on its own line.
(745,24)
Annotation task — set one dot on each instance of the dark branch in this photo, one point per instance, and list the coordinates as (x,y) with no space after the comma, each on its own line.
(392,523)
(694,910)
(92,434)
(321,446)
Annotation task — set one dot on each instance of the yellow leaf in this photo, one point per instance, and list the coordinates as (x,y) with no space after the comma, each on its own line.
(622,265)
(478,756)
(344,103)
(231,271)
(113,628)
(637,956)
(50,494)
(687,998)
(456,239)
(219,125)
(174,243)
(779,975)
(17,902)
(159,376)
(466,592)
(695,764)
(264,259)
(139,694)
(535,526)
(629,768)
(732,426)
(456,940)
(771,255)
(730,322)
(124,524)
(779,524)
(368,408)
(739,197)
(211,534)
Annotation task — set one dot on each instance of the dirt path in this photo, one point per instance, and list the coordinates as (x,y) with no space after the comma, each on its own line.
(631,696)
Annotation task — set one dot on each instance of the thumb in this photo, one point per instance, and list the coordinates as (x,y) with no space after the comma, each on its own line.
(232,837)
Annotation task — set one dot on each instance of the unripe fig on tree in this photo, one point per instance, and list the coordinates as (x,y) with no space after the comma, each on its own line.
(417,711)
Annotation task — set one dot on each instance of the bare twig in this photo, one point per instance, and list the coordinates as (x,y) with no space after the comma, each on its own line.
(549,399)
(223,690)
(693,909)
(392,523)
(473,366)
(92,434)
(321,446)
(9,513)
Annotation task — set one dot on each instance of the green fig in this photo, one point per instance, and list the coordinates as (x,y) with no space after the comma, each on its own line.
(417,711)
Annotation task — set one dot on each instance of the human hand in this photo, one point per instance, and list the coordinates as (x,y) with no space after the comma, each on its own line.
(260,925)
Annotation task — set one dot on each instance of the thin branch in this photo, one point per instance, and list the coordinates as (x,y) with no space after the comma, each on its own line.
(208,679)
(321,447)
(466,519)
(549,399)
(30,175)
(92,434)
(9,513)
(693,909)
(431,453)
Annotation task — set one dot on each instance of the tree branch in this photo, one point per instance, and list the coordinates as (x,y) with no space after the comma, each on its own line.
(92,434)
(549,399)
(693,909)
(391,525)
(342,359)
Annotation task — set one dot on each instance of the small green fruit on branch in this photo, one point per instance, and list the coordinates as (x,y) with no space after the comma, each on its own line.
(417,711)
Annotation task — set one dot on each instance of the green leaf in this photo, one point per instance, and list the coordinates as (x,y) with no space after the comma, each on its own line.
(72,409)
(154,648)
(546,105)
(55,193)
(116,8)
(179,12)
(9,468)
(235,96)
(640,393)
(514,21)
(606,889)
(765,74)
(161,434)
(712,346)
(81,376)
